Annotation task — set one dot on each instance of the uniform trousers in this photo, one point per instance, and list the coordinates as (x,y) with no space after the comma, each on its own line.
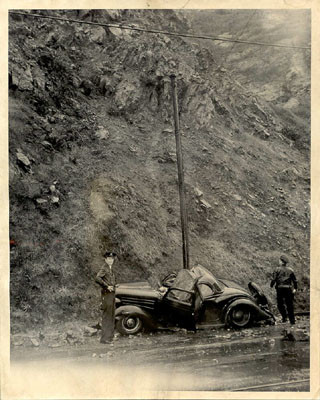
(108,309)
(285,303)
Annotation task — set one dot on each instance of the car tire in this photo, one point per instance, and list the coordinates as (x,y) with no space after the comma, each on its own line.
(129,324)
(239,317)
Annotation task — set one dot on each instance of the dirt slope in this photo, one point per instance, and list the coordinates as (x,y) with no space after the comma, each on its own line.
(92,163)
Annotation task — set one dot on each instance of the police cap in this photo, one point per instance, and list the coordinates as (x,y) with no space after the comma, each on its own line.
(284,259)
(109,254)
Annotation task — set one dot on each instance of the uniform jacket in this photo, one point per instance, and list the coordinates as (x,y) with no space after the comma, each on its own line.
(284,277)
(105,277)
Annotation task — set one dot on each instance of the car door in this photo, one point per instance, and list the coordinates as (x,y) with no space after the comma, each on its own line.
(182,301)
(209,313)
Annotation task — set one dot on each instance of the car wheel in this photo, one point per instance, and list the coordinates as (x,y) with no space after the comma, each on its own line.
(129,324)
(239,317)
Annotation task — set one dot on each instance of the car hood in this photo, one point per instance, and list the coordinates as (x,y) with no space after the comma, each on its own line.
(136,290)
(134,285)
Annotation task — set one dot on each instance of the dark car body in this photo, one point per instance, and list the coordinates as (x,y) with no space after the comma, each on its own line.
(191,299)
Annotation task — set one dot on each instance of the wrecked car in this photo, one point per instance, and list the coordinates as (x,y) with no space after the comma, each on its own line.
(192,299)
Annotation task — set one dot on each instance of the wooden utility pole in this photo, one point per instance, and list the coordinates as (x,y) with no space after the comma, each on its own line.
(183,210)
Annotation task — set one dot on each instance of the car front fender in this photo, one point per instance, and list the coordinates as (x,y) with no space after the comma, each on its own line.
(137,311)
(259,312)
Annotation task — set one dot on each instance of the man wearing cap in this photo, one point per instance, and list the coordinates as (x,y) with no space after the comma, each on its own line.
(106,279)
(285,283)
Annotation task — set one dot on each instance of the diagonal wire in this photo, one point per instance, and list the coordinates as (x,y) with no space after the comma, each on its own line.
(239,36)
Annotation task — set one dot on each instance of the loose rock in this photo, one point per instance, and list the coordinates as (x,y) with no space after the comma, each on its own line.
(23,161)
(41,201)
(205,204)
(90,331)
(54,345)
(237,197)
(18,342)
(35,342)
(102,133)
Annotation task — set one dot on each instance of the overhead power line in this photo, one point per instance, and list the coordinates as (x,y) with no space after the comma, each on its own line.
(156,31)
(239,36)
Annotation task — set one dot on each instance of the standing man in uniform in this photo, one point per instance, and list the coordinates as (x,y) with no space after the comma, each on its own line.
(285,283)
(106,279)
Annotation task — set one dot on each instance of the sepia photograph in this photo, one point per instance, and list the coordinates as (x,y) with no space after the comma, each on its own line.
(159,182)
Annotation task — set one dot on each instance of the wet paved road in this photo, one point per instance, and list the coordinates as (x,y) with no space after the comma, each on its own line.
(254,359)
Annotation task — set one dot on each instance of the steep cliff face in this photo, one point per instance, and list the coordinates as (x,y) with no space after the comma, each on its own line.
(92,161)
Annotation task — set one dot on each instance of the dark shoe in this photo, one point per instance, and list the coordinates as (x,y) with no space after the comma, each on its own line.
(106,341)
(284,321)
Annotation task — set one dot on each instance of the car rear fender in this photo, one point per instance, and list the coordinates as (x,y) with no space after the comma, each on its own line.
(259,313)
(146,317)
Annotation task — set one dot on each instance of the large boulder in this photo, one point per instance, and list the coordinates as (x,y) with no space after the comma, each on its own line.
(128,95)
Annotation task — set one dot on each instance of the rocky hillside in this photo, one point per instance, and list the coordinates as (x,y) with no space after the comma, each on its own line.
(277,74)
(93,166)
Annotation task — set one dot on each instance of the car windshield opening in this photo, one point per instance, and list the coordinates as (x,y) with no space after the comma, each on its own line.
(184,280)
